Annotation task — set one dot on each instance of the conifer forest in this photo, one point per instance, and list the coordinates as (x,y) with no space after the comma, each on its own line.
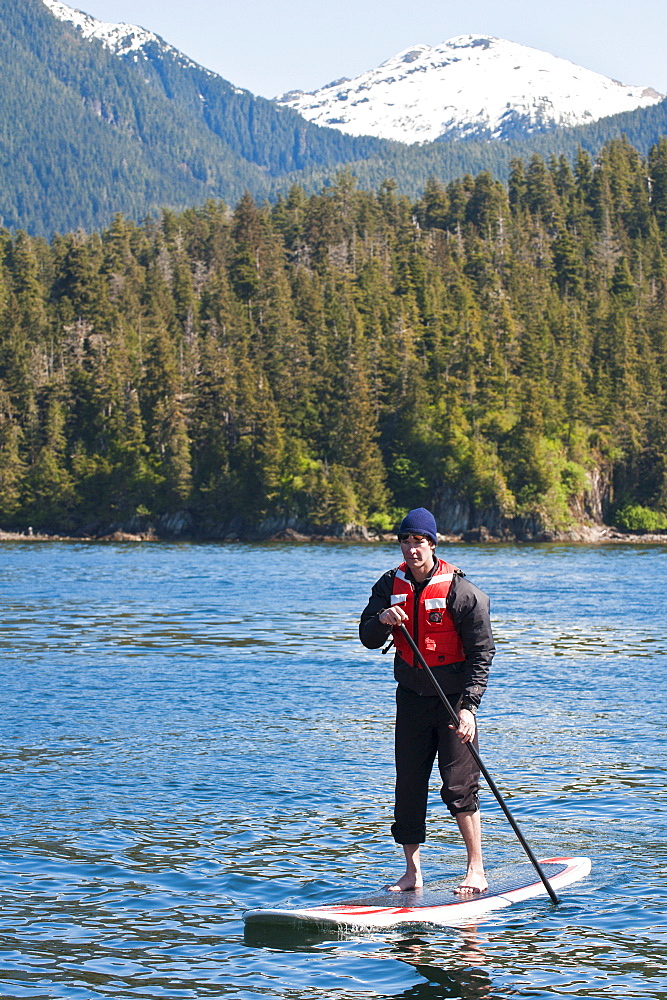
(496,352)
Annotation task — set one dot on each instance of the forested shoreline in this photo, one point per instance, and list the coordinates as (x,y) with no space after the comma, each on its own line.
(496,353)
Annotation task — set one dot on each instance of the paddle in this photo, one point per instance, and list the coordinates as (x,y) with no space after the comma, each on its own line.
(489,780)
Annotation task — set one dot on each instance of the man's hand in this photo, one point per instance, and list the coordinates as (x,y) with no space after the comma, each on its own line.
(393,616)
(467,724)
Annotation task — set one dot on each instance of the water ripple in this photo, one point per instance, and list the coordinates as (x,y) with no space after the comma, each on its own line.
(171,754)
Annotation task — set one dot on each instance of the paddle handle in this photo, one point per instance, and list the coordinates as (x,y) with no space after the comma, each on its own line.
(478,760)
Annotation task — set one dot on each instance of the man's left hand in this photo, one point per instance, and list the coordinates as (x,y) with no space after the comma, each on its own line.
(466,730)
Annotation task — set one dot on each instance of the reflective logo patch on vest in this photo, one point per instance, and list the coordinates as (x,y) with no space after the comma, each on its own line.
(435,617)
(398,598)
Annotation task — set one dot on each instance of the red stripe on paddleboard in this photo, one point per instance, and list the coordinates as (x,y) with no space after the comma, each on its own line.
(360,911)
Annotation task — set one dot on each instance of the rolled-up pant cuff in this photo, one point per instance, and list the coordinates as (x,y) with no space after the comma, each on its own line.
(408,835)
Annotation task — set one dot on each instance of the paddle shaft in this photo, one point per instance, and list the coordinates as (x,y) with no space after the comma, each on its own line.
(478,760)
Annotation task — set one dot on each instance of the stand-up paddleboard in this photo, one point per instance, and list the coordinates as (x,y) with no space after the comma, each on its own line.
(434,904)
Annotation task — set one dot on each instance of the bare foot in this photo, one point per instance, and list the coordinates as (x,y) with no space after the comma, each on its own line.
(411,880)
(474,881)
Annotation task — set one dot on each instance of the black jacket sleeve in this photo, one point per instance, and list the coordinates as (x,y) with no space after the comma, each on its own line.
(372,632)
(469,608)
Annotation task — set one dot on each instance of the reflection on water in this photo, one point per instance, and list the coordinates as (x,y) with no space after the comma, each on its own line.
(179,743)
(470,980)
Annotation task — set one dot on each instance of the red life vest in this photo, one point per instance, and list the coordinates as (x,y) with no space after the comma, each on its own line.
(437,638)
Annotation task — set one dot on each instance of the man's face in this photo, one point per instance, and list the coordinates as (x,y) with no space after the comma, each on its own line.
(417,552)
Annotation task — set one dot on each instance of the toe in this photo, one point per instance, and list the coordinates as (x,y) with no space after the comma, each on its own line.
(469,890)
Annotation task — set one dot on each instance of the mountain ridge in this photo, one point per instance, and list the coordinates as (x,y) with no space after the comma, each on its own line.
(86,134)
(468,87)
(230,113)
(118,37)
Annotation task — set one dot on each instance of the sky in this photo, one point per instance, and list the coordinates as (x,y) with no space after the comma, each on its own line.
(273,46)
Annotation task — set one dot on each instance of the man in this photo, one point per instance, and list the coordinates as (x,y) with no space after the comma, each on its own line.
(448,618)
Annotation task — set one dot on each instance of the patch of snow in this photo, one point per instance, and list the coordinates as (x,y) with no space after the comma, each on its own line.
(121,39)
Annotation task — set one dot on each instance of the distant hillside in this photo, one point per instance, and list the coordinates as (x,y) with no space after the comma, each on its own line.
(86,133)
(253,127)
(412,166)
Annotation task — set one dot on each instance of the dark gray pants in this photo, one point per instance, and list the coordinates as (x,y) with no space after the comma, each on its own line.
(422,733)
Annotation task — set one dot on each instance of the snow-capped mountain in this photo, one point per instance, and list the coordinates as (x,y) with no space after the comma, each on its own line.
(471,85)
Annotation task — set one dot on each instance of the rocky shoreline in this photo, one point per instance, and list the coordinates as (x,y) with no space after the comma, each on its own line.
(587,534)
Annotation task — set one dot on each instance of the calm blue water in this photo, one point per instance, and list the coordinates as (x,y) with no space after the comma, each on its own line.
(187,731)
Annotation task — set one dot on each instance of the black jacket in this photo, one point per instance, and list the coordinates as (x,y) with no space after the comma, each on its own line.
(469,609)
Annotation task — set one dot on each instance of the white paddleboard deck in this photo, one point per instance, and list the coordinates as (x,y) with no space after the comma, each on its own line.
(434,904)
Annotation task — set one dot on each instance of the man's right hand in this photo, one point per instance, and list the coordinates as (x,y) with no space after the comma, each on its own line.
(393,616)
